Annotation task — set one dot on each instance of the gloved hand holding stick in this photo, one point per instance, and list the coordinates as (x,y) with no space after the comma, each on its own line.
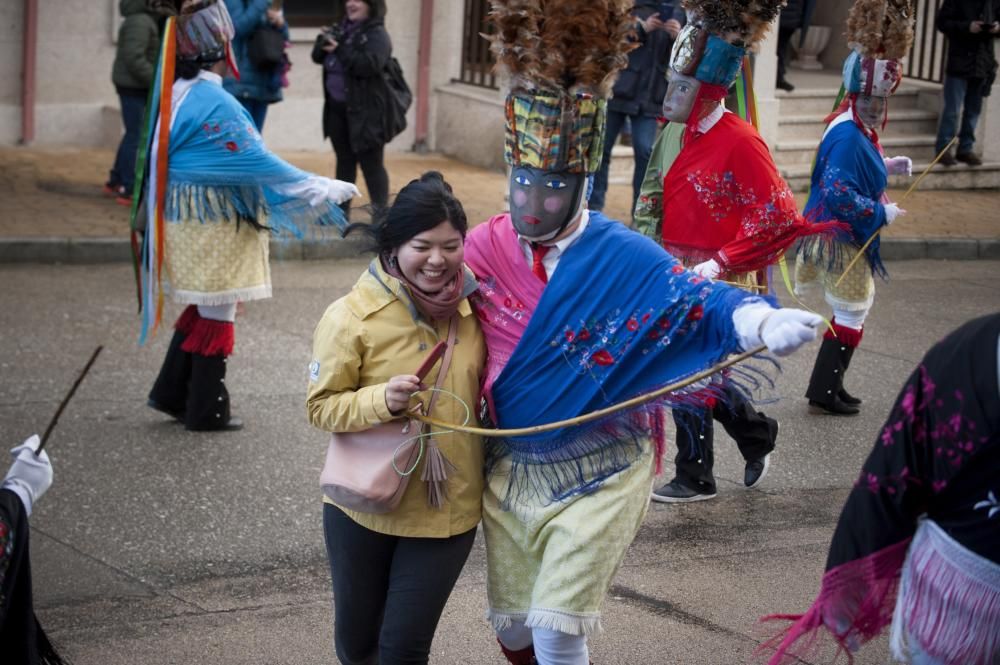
(66,399)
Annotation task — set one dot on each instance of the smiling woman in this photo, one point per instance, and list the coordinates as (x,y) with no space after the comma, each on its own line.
(413,292)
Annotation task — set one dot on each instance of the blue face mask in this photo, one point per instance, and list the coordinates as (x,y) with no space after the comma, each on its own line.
(543,203)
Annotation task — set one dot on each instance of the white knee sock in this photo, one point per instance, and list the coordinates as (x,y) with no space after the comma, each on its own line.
(515,637)
(218,312)
(555,648)
(854,319)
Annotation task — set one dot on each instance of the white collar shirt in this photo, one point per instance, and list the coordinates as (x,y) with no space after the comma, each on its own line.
(556,249)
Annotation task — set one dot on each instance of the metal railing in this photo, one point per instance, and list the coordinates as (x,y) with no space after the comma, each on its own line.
(926,59)
(477,61)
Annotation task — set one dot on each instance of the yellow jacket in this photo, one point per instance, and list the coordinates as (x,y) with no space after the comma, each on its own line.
(374,333)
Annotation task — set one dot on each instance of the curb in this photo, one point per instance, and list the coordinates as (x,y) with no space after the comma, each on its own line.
(117,250)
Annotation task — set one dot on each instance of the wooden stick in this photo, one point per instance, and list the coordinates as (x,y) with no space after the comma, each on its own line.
(901,199)
(66,399)
(758,287)
(593,415)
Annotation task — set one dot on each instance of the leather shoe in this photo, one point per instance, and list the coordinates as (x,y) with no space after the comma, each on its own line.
(153,404)
(234,424)
(675,492)
(970,158)
(755,471)
(947,159)
(833,408)
(782,84)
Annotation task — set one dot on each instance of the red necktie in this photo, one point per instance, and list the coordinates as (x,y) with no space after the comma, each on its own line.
(538,252)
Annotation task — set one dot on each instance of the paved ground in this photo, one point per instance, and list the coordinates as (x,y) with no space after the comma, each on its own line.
(56,193)
(158,546)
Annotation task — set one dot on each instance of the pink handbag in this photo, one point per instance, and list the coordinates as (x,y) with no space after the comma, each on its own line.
(368,471)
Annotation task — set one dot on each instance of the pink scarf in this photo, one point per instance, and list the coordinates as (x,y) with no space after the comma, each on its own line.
(515,289)
(439,306)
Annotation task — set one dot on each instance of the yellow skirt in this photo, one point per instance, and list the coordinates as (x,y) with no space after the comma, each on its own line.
(550,566)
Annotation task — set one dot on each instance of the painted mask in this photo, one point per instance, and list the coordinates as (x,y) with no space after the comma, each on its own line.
(871,110)
(679,100)
(543,203)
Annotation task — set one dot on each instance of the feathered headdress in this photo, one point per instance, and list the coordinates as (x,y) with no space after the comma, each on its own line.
(712,45)
(562,57)
(880,32)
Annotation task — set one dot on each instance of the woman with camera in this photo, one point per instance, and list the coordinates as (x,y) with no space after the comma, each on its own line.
(354,51)
(393,571)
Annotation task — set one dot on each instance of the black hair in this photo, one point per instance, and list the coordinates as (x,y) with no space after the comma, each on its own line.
(188,69)
(420,206)
(376,9)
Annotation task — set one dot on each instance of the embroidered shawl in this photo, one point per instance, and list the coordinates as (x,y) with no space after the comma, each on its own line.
(938,455)
(848,185)
(723,198)
(619,317)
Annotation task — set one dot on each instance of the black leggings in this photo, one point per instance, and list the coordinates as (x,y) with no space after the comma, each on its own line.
(371,161)
(388,591)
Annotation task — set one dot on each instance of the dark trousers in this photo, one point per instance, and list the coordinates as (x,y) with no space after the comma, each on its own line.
(388,591)
(965,96)
(643,136)
(784,39)
(371,161)
(123,171)
(257,109)
(753,431)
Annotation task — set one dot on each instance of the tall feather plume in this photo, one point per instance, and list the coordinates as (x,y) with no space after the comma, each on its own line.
(739,22)
(574,45)
(881,28)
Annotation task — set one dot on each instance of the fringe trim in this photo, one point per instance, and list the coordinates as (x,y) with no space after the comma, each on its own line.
(578,460)
(843,334)
(260,292)
(832,252)
(240,203)
(187,320)
(854,605)
(504,620)
(571,623)
(210,338)
(949,601)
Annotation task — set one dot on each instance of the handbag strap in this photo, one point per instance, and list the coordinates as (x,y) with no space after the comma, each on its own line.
(445,361)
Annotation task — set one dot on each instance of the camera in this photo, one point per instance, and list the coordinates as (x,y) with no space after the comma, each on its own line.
(333,33)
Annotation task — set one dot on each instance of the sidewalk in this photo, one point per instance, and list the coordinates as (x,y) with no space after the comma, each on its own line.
(53,209)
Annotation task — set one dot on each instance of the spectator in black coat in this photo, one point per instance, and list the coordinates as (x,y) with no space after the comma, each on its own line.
(970,69)
(789,21)
(354,51)
(638,92)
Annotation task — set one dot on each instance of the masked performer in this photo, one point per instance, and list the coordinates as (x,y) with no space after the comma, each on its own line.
(24,642)
(848,184)
(579,313)
(713,196)
(918,541)
(214,196)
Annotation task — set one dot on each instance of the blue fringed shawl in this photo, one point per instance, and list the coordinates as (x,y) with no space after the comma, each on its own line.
(848,182)
(619,317)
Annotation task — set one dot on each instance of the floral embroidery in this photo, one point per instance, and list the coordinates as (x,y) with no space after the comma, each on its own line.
(232,135)
(991,505)
(720,193)
(841,198)
(952,439)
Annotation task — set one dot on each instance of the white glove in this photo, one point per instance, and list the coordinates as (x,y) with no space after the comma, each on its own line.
(781,330)
(892,211)
(29,476)
(337,191)
(709,269)
(899,165)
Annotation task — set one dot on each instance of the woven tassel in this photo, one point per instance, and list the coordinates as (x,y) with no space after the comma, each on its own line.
(437,468)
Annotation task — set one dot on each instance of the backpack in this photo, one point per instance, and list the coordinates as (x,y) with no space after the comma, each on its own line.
(399,98)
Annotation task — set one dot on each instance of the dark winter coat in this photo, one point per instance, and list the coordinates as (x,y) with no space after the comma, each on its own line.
(969,55)
(641,86)
(363,56)
(263,85)
(138,48)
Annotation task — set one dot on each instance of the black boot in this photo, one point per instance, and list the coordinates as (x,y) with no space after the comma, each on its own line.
(827,380)
(845,396)
(170,391)
(208,400)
